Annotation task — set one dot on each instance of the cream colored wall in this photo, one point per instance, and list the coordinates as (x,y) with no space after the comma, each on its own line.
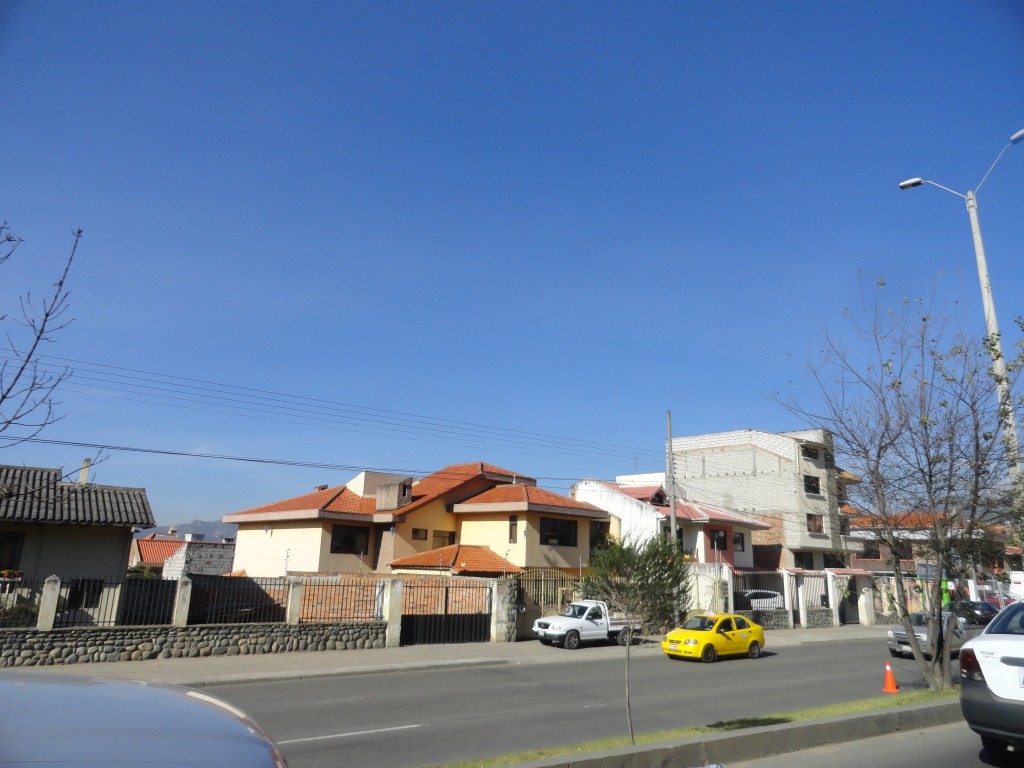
(74,550)
(433,517)
(546,556)
(283,547)
(492,531)
(344,563)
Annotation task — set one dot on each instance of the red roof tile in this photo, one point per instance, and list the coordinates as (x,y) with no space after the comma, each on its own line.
(157,550)
(531,495)
(459,558)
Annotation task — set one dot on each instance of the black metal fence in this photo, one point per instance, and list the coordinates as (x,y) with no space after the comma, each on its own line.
(237,599)
(443,611)
(19,602)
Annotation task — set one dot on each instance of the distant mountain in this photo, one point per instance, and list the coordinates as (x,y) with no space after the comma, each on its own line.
(211,530)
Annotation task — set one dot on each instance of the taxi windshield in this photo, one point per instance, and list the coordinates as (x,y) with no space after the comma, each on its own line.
(700,623)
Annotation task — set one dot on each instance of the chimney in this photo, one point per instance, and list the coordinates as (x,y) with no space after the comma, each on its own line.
(319,488)
(83,476)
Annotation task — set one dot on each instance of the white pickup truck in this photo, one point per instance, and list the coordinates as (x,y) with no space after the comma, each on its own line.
(583,621)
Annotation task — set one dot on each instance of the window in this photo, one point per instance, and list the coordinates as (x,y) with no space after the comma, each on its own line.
(419,534)
(10,551)
(443,539)
(871,551)
(815,524)
(803,560)
(558,533)
(905,551)
(718,539)
(812,484)
(830,460)
(84,593)
(513,529)
(739,542)
(741,623)
(349,539)
(832,560)
(809,453)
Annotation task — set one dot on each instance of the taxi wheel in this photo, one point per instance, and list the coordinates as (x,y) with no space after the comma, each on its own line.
(754,650)
(708,655)
(572,641)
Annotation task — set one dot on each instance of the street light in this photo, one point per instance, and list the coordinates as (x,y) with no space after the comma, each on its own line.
(991,327)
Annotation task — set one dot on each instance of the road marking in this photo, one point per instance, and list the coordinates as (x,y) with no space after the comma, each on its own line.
(346,735)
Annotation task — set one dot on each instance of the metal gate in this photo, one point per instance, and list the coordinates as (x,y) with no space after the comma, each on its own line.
(540,592)
(445,611)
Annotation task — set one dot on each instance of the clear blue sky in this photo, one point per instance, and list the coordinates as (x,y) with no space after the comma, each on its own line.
(555,218)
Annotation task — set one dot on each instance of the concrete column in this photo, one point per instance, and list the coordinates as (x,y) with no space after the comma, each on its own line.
(182,599)
(788,592)
(48,604)
(833,596)
(392,612)
(503,611)
(294,609)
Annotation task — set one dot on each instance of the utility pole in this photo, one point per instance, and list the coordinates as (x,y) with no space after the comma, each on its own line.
(670,477)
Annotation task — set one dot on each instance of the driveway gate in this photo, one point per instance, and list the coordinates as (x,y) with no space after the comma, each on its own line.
(445,611)
(541,591)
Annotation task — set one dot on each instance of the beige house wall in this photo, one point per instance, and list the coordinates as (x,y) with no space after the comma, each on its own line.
(491,530)
(433,517)
(539,555)
(342,562)
(73,550)
(283,547)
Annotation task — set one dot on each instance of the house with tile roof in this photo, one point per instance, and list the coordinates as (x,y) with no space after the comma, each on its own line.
(151,551)
(457,560)
(378,519)
(637,513)
(49,526)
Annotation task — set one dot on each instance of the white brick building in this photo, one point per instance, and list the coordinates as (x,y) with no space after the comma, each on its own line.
(787,479)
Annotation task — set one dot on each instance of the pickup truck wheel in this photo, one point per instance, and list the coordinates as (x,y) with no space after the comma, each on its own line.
(708,655)
(572,640)
(623,638)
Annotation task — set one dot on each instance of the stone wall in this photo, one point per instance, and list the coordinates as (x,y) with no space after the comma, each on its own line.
(29,647)
(818,618)
(773,619)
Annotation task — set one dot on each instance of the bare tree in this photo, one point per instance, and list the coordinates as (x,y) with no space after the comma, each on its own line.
(27,386)
(648,584)
(912,407)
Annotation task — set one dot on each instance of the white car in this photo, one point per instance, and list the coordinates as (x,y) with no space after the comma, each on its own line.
(992,684)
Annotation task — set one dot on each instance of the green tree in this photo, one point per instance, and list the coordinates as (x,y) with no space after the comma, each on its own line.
(647,584)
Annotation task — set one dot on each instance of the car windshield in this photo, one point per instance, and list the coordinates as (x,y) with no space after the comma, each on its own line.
(700,623)
(1009,622)
(575,611)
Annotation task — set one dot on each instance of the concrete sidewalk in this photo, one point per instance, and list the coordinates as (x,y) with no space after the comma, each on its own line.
(215,670)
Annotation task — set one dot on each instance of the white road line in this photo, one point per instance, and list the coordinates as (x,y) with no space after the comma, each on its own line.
(346,735)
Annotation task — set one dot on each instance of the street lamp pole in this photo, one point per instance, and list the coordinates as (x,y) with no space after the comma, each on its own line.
(1006,409)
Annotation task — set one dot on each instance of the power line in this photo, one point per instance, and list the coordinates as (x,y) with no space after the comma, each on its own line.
(129,384)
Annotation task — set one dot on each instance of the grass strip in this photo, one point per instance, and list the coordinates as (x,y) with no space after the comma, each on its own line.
(858,706)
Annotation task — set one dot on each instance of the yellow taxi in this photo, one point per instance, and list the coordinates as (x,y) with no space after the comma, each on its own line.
(710,635)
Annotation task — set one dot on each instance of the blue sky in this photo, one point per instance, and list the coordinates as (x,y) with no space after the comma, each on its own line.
(549,218)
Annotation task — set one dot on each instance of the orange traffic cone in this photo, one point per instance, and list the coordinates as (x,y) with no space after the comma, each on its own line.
(890,681)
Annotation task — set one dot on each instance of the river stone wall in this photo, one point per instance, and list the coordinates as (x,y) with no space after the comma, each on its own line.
(29,647)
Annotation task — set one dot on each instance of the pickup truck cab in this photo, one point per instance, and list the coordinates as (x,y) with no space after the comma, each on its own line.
(583,621)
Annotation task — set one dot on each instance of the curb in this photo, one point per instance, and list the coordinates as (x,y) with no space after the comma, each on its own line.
(765,741)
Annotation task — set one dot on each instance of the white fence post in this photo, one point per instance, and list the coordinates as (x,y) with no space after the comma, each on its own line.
(294,609)
(182,599)
(48,604)
(393,612)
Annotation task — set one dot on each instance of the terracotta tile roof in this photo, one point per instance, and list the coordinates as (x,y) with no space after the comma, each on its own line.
(639,492)
(690,510)
(157,550)
(459,558)
(37,495)
(532,496)
(307,501)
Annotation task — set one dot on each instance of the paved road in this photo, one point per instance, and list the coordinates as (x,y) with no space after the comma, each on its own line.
(950,746)
(440,716)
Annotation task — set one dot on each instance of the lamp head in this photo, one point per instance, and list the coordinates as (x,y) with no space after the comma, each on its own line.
(915,182)
(1017,137)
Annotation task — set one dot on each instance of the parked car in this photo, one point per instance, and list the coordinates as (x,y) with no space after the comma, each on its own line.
(992,684)
(896,637)
(979,611)
(582,621)
(709,636)
(758,600)
(83,721)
